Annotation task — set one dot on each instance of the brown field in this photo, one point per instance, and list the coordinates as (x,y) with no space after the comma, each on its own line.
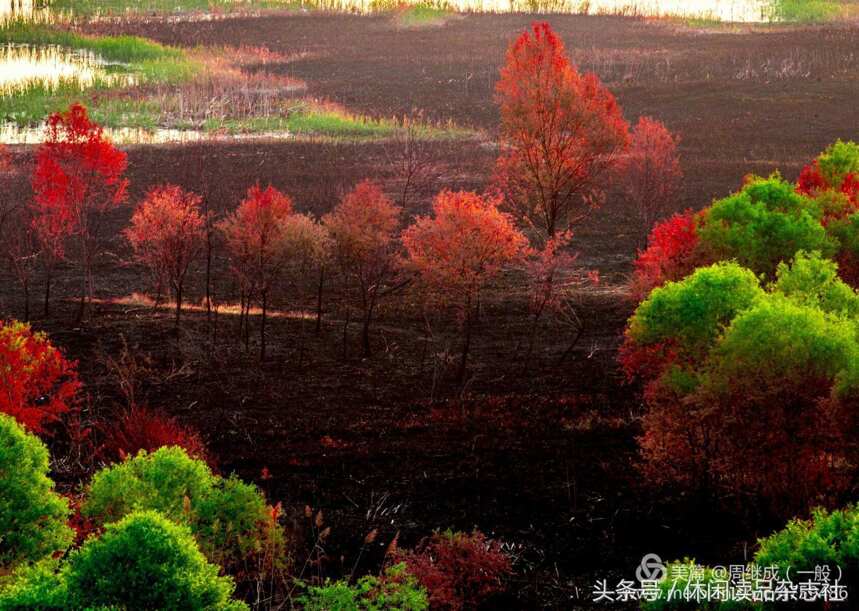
(382,442)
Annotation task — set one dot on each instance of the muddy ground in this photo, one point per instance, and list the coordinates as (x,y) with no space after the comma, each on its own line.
(383,442)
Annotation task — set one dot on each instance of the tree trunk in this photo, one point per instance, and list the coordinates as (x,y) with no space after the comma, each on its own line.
(346,333)
(466,345)
(47,293)
(262,327)
(365,331)
(26,286)
(319,300)
(178,290)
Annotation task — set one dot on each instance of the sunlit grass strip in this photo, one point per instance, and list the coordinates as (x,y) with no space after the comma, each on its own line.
(333,123)
(422,15)
(810,11)
(117,7)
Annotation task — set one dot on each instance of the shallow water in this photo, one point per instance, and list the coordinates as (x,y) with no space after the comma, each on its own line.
(26,66)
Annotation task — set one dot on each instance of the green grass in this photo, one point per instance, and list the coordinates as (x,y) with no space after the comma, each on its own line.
(806,11)
(422,15)
(89,8)
(316,122)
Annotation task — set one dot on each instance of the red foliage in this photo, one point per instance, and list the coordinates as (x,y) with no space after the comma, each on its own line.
(78,178)
(363,230)
(253,235)
(140,428)
(810,180)
(545,270)
(458,570)
(671,254)
(464,243)
(37,383)
(560,132)
(650,172)
(167,233)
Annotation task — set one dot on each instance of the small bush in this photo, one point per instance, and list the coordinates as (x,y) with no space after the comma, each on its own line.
(458,570)
(141,428)
(145,561)
(230,519)
(32,516)
(396,589)
(670,254)
(37,383)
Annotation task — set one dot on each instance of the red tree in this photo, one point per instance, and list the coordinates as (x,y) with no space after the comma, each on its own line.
(37,383)
(167,233)
(650,172)
(458,249)
(363,229)
(560,132)
(144,429)
(671,254)
(254,235)
(77,180)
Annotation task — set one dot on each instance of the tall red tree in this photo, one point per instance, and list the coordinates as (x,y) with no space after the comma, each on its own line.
(457,250)
(78,179)
(650,172)
(254,234)
(363,230)
(167,233)
(560,133)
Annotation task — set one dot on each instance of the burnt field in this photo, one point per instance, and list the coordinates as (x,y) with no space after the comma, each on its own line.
(392,442)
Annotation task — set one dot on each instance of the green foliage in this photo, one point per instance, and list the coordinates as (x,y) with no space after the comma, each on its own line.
(396,589)
(229,518)
(693,311)
(813,281)
(765,223)
(145,561)
(35,586)
(838,160)
(778,343)
(32,516)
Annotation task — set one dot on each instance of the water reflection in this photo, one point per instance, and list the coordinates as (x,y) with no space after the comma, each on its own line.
(26,66)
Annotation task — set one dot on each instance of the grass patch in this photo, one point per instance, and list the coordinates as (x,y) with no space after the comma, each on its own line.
(89,8)
(422,15)
(327,123)
(806,11)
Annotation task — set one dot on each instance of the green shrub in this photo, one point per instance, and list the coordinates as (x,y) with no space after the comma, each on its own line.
(396,589)
(145,561)
(35,586)
(813,281)
(765,223)
(690,314)
(229,518)
(32,516)
(837,161)
(780,345)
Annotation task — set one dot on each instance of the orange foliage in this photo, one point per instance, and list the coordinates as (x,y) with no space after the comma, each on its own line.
(560,132)
(167,233)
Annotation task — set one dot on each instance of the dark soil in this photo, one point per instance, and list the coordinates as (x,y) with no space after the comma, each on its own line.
(384,442)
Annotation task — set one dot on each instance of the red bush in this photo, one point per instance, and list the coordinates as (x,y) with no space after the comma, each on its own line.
(37,383)
(670,254)
(144,429)
(810,180)
(458,570)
